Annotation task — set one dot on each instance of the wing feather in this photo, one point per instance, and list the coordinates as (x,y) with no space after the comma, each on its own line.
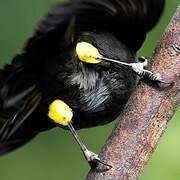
(128,20)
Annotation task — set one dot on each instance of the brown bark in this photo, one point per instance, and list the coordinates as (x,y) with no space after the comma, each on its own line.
(146,115)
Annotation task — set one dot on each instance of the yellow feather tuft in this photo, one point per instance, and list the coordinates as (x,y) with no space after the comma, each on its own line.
(86,52)
(60,112)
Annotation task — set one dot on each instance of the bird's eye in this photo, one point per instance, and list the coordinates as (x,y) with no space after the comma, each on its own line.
(86,52)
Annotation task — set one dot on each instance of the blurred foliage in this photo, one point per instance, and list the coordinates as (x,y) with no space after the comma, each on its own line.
(54,154)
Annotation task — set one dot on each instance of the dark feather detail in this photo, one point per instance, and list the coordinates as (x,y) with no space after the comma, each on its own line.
(15,121)
(19,98)
(128,20)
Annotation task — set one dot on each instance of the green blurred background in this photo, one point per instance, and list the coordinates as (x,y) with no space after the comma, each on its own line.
(54,154)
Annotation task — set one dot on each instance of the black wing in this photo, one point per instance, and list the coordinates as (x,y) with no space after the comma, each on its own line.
(19,98)
(128,20)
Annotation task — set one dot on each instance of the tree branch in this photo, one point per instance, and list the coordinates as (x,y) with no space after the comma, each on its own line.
(147,113)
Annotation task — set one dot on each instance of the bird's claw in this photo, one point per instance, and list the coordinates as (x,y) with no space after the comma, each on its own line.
(139,69)
(94,159)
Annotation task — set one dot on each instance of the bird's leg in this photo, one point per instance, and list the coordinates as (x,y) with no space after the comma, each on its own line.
(86,52)
(138,68)
(61,114)
(90,156)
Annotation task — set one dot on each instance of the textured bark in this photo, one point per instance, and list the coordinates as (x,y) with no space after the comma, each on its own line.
(146,115)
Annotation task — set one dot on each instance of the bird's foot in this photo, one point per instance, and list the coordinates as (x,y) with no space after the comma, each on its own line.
(94,159)
(139,69)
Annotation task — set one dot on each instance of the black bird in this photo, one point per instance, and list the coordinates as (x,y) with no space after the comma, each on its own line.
(54,65)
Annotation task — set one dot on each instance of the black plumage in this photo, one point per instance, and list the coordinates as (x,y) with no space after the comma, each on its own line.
(48,67)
